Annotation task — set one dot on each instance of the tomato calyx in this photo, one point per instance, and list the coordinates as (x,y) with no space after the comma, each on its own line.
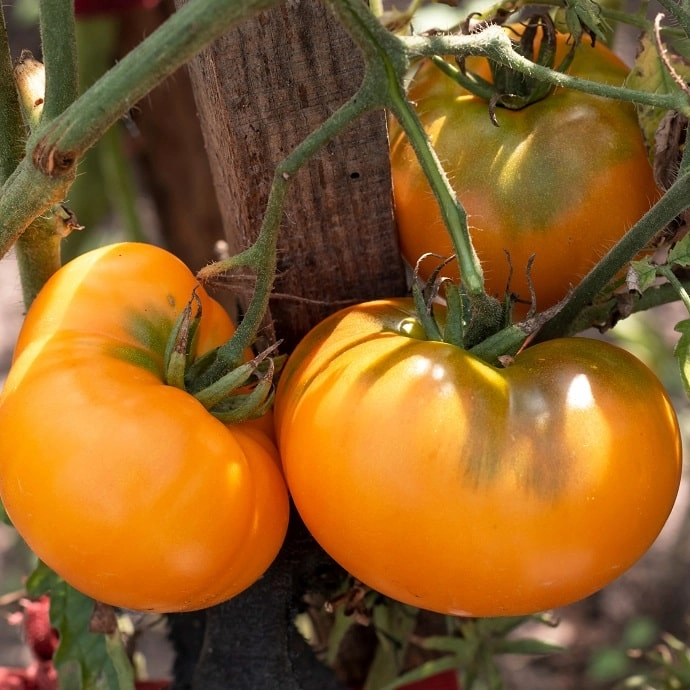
(482,326)
(515,90)
(182,343)
(467,320)
(234,396)
(509,88)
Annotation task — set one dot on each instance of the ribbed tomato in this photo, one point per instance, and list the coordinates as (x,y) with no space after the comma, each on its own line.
(127,487)
(455,486)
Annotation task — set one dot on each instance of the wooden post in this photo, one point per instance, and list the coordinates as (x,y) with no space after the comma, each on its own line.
(259,91)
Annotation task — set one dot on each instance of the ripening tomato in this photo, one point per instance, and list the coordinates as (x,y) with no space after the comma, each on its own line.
(455,486)
(129,488)
(561,179)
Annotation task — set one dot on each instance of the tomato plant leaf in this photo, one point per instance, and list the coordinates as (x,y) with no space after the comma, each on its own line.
(644,275)
(651,75)
(680,254)
(682,353)
(84,660)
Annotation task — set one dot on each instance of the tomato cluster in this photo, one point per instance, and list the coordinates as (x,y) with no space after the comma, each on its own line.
(432,476)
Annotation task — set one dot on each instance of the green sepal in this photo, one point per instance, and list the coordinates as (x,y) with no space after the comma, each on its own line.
(212,395)
(454,331)
(487,316)
(237,408)
(425,314)
(181,345)
(515,90)
(509,88)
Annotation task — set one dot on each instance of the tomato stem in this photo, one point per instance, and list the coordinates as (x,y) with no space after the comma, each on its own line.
(38,248)
(38,255)
(44,176)
(59,48)
(11,124)
(452,211)
(493,43)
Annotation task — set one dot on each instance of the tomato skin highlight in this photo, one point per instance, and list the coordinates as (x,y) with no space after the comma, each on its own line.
(561,179)
(451,485)
(128,488)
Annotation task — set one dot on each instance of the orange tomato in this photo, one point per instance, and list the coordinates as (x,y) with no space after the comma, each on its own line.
(452,485)
(561,179)
(127,487)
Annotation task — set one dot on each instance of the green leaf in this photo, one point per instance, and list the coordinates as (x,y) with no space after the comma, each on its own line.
(646,273)
(682,353)
(680,254)
(85,660)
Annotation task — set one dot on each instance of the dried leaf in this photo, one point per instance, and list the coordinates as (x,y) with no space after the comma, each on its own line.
(650,74)
(669,140)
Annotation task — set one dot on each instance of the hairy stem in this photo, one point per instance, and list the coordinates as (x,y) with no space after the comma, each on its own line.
(496,45)
(11,125)
(59,47)
(45,174)
(38,256)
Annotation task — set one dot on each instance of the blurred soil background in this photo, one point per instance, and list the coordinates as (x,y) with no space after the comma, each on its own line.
(652,599)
